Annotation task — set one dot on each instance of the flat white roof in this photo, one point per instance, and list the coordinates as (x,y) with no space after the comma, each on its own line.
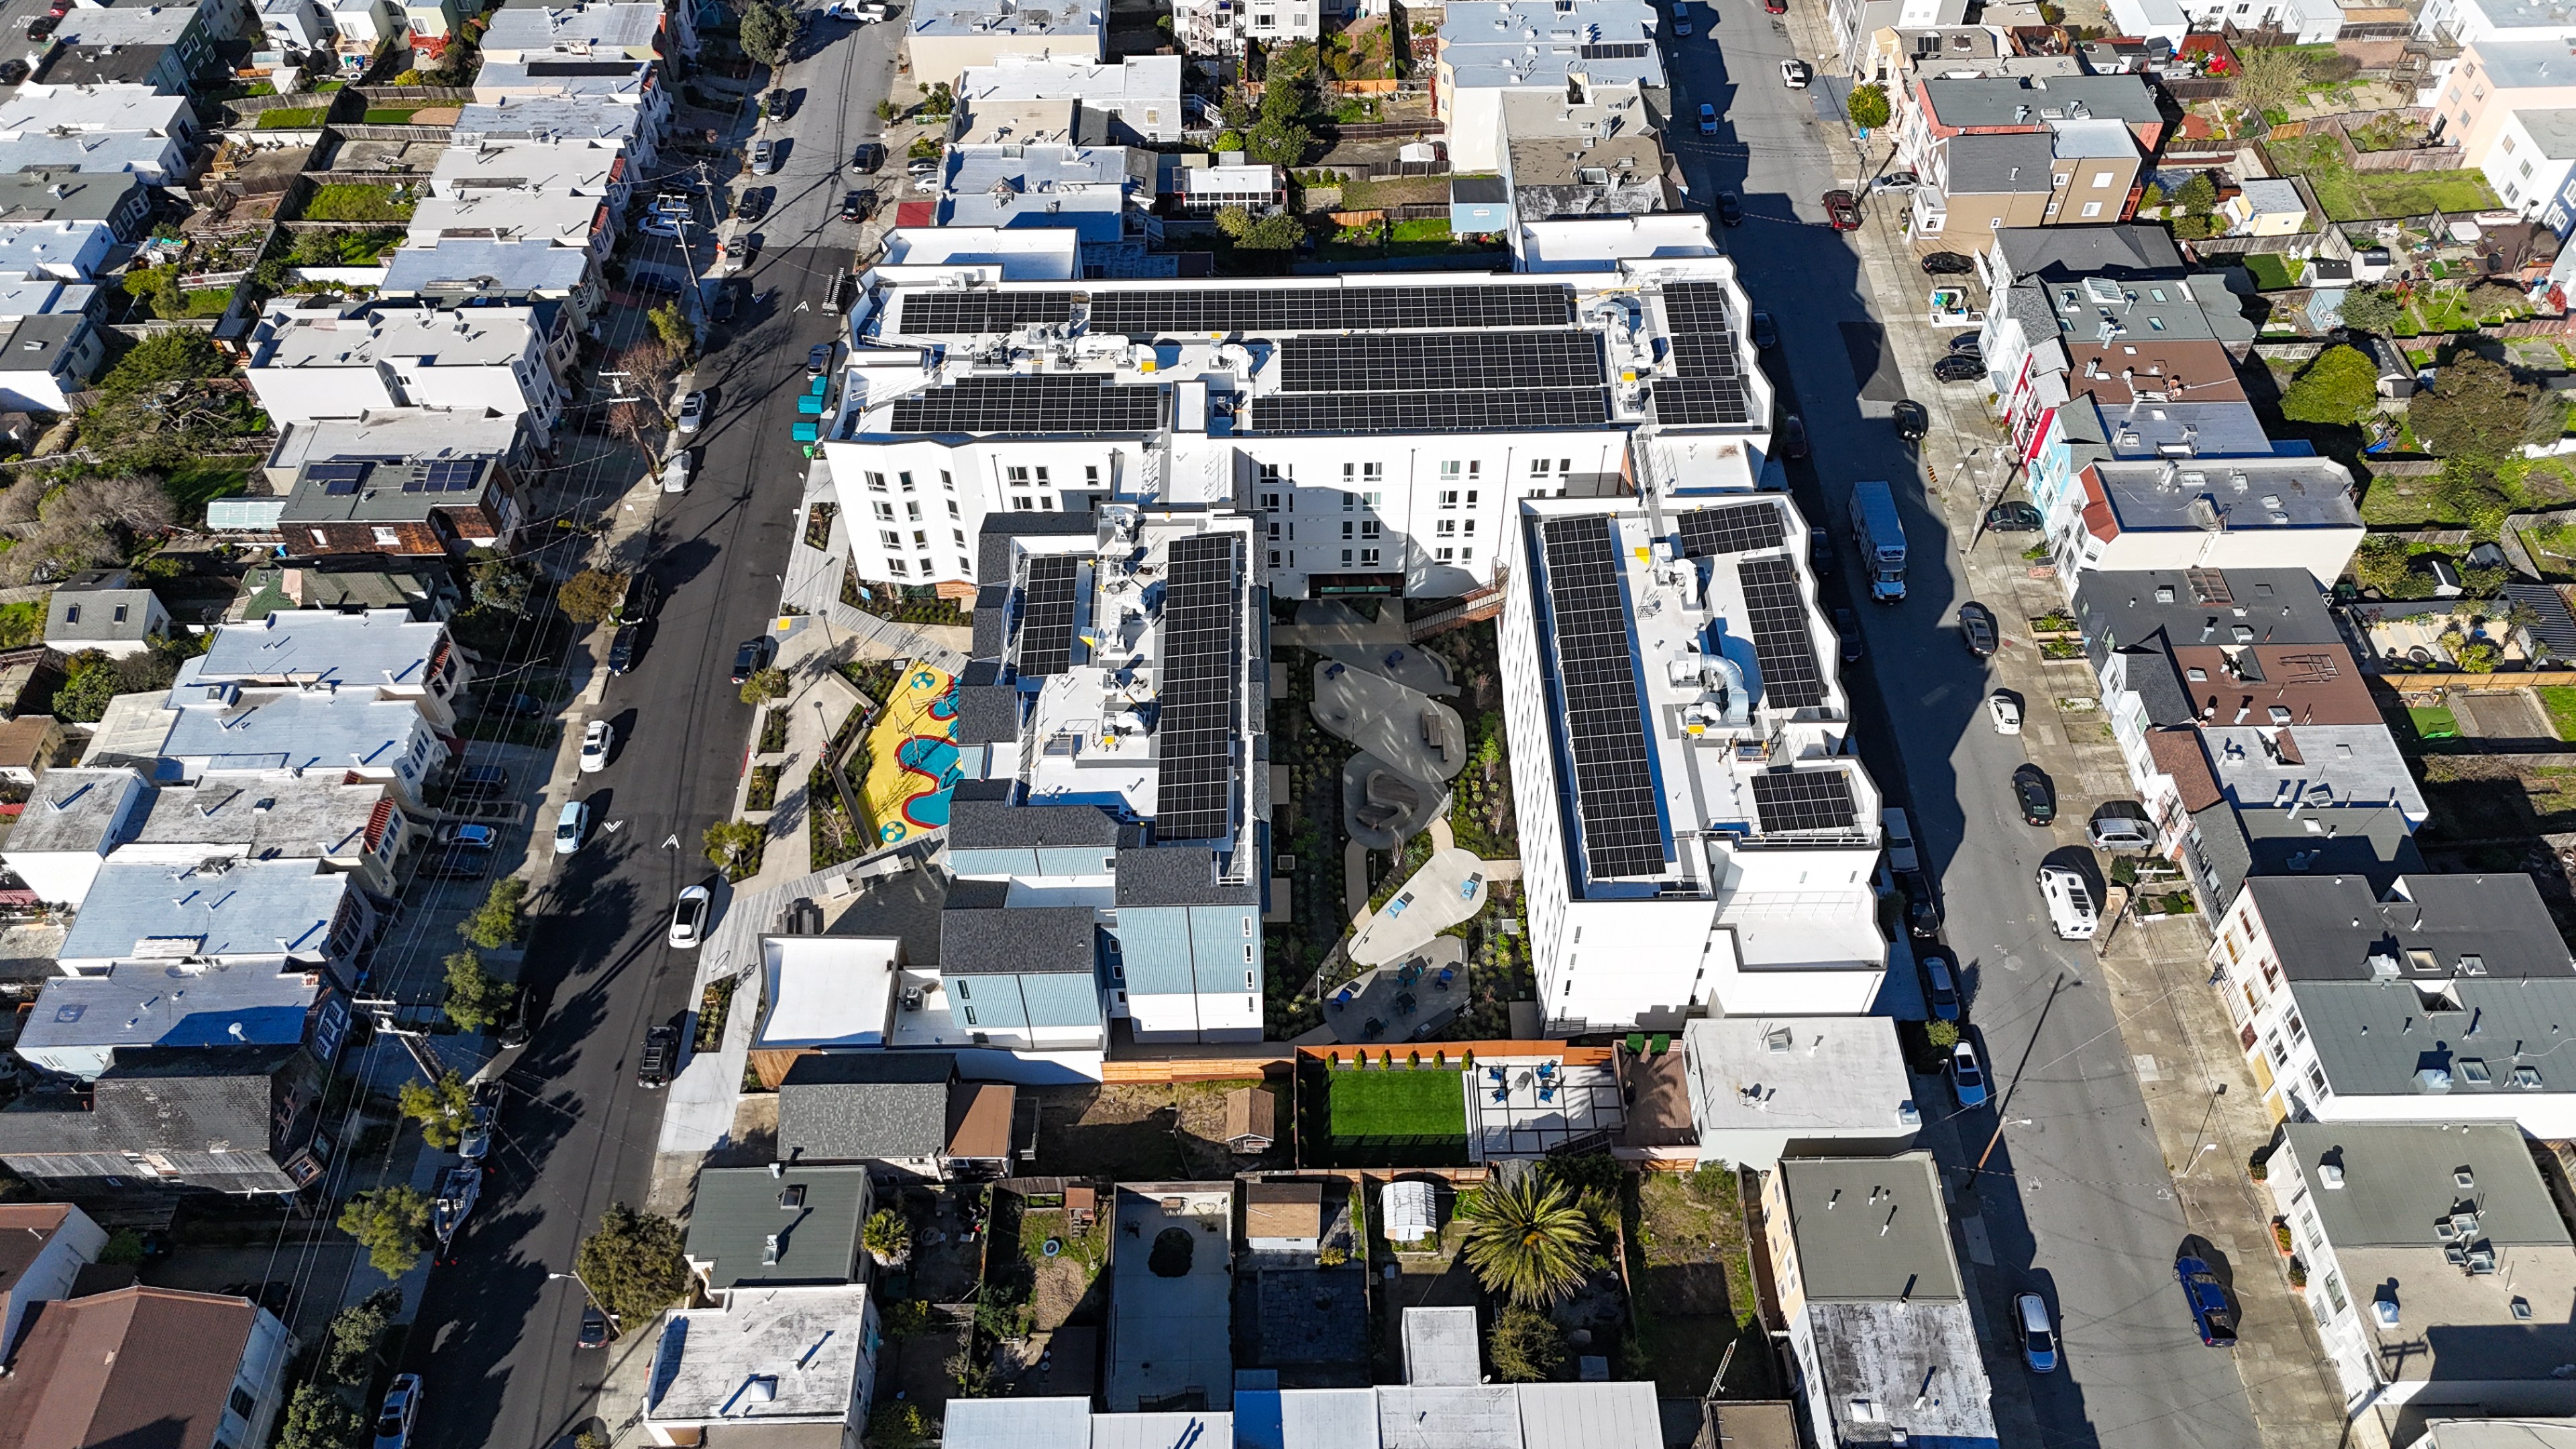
(1068,18)
(1042,1423)
(1541,43)
(397,433)
(515,214)
(769,1353)
(41,108)
(1141,78)
(377,647)
(826,990)
(1819,1074)
(429,336)
(1441,1346)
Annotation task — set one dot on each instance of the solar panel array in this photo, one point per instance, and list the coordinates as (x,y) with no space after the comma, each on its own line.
(1616,50)
(947,313)
(1781,644)
(1046,615)
(1736,528)
(1202,689)
(1413,412)
(1056,403)
(338,480)
(1710,387)
(1614,788)
(447,475)
(1805,800)
(1330,309)
(1440,363)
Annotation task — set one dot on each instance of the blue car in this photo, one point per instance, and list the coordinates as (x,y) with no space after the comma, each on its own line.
(1967,1079)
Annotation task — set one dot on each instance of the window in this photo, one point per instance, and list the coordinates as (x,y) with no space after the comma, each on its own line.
(1448,528)
(912,512)
(1091,475)
(894,566)
(1370,528)
(1449,472)
(1448,497)
(958,535)
(120,613)
(2059,181)
(1018,477)
(947,483)
(1368,558)
(72,615)
(1270,502)
(387,537)
(1346,528)
(2101,179)
(1445,555)
(1153,117)
(1019,503)
(885,512)
(876,483)
(888,538)
(1274,558)
(1346,558)
(1274,533)
(921,539)
(903,481)
(2092,208)
(242,1402)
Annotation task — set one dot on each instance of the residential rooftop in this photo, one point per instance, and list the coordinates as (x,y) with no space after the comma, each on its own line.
(99,605)
(2380,1038)
(1089,188)
(1909,1368)
(248,908)
(2059,254)
(406,490)
(567,219)
(2011,163)
(226,1101)
(1798,1075)
(1069,19)
(859,1106)
(484,267)
(1138,80)
(574,30)
(62,250)
(2121,609)
(2315,766)
(41,109)
(369,336)
(2373,842)
(2274,684)
(418,434)
(1870,1230)
(1540,43)
(268,730)
(2206,434)
(97,151)
(1170,1332)
(769,1354)
(132,1366)
(2219,495)
(548,118)
(2551,128)
(751,1227)
(623,78)
(2144,367)
(264,817)
(65,195)
(378,648)
(2429,928)
(2032,101)
(125,25)
(2523,64)
(75,809)
(2393,1182)
(1556,177)
(578,167)
(79,1019)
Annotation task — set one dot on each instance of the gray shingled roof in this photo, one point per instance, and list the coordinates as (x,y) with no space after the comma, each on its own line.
(183,1099)
(976,824)
(1994,165)
(2065,253)
(987,714)
(996,940)
(2276,606)
(2374,1037)
(856,1106)
(1177,875)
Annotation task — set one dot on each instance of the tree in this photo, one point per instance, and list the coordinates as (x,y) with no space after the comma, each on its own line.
(1526,1347)
(164,357)
(317,1418)
(1941,1035)
(731,842)
(768,29)
(502,583)
(442,1108)
(85,523)
(2480,658)
(124,1249)
(2383,564)
(2477,408)
(475,999)
(2340,387)
(893,1425)
(89,682)
(355,1333)
(1868,106)
(591,595)
(634,1264)
(765,684)
(392,1224)
(1277,232)
(676,334)
(1276,142)
(1233,221)
(1528,1241)
(2373,309)
(887,1237)
(939,100)
(2199,195)
(502,917)
(2269,79)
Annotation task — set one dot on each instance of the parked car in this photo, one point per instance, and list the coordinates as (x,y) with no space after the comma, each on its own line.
(479,782)
(1842,211)
(1795,73)
(521,1022)
(572,825)
(1922,906)
(2012,518)
(1895,181)
(1944,996)
(858,206)
(1968,344)
(753,203)
(1681,22)
(1847,625)
(2035,794)
(764,158)
(1730,208)
(2120,826)
(1776,7)
(513,706)
(401,1409)
(636,604)
(749,658)
(2071,911)
(459,863)
(594,1328)
(659,225)
(626,648)
(476,1143)
(1707,119)
(742,251)
(689,917)
(1967,1078)
(1766,333)
(598,739)
(1910,420)
(2005,711)
(1977,629)
(2208,1300)
(1958,368)
(12,72)
(653,1068)
(869,158)
(676,471)
(1947,264)
(1820,552)
(728,301)
(693,409)
(43,26)
(476,837)
(775,104)
(2038,1335)
(818,359)
(1793,437)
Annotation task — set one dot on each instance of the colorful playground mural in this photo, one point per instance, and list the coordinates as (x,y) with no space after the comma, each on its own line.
(912,756)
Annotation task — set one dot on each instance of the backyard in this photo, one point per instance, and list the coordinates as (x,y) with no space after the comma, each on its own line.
(2349,195)
(2559,701)
(1396,1117)
(1693,1271)
(1135,1132)
(2454,500)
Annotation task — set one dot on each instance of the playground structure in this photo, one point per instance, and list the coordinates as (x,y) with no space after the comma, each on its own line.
(911,751)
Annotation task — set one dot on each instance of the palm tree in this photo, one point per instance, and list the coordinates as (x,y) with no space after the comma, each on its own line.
(1528,1241)
(887,1237)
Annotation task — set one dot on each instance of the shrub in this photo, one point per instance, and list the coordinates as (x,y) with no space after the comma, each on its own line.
(2340,387)
(441,1108)
(1941,1034)
(591,595)
(1868,106)
(1526,1347)
(2479,408)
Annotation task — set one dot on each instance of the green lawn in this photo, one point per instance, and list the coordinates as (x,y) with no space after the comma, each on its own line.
(1403,1104)
(2560,701)
(2272,272)
(2432,722)
(2349,195)
(391,115)
(201,479)
(290,118)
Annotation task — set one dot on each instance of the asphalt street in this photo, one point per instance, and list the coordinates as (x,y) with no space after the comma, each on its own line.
(2075,1201)
(495,1337)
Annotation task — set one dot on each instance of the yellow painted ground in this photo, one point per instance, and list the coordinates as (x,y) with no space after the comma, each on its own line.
(912,760)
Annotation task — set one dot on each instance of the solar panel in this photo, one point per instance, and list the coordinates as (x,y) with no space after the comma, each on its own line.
(1703,330)
(1623,832)
(1707,400)
(1808,800)
(1159,311)
(1202,689)
(973,312)
(1782,646)
(454,475)
(1441,362)
(1737,528)
(1615,50)
(1403,412)
(1060,403)
(338,479)
(1046,615)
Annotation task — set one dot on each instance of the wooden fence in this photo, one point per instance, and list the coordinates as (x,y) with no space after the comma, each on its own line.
(1149,1071)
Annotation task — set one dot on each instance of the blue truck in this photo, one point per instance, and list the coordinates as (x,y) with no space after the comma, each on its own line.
(2208,1298)
(1880,536)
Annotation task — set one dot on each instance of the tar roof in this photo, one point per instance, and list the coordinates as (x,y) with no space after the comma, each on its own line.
(381,646)
(161,1099)
(2202,606)
(2275,684)
(760,1228)
(2380,1038)
(405,490)
(1826,1073)
(2203,494)
(2328,928)
(546,118)
(247,908)
(65,195)
(77,810)
(2145,367)
(1870,1229)
(982,17)
(2012,101)
(1911,1367)
(132,1367)
(2398,1179)
(1540,43)
(35,344)
(417,433)
(145,1004)
(424,336)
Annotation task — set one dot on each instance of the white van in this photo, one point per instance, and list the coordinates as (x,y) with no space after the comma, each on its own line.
(2070,904)
(1900,840)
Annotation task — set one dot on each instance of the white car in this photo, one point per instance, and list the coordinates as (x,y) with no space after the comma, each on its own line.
(1794,74)
(597,739)
(571,827)
(2038,1335)
(2071,912)
(402,1407)
(676,472)
(2005,711)
(693,411)
(689,917)
(659,225)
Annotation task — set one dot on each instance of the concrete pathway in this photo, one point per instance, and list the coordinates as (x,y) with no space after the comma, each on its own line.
(1449,889)
(1386,719)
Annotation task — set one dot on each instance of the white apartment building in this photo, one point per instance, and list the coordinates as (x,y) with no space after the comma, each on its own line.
(2465,22)
(1378,428)
(566,115)
(1694,832)
(111,109)
(1112,744)
(597,30)
(1141,94)
(1220,29)
(2439,1001)
(1599,55)
(949,37)
(1856,21)
(345,362)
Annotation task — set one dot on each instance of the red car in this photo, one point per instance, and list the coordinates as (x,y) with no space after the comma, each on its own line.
(1776,7)
(1842,213)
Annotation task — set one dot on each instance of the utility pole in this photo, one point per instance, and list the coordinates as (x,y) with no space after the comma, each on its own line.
(382,1009)
(1976,1174)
